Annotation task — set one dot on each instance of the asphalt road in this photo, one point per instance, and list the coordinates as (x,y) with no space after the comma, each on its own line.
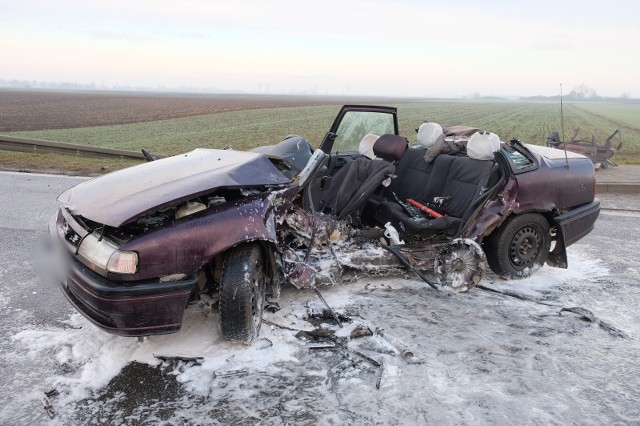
(481,357)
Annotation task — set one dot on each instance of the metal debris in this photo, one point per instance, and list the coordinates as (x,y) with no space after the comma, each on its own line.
(589,316)
(373,361)
(409,266)
(48,407)
(380,372)
(272,307)
(320,313)
(230,373)
(320,338)
(516,295)
(316,335)
(361,330)
(333,314)
(402,349)
(320,345)
(335,256)
(167,358)
(275,324)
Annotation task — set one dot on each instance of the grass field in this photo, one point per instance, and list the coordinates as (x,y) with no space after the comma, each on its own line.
(628,114)
(529,122)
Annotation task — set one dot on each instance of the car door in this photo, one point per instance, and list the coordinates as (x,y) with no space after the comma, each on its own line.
(342,140)
(351,124)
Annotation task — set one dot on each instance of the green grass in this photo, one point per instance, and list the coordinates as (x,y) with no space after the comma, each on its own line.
(61,163)
(627,115)
(242,129)
(529,122)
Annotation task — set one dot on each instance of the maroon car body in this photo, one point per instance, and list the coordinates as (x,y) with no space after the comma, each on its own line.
(143,242)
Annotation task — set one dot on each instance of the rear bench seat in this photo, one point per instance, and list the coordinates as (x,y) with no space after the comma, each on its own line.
(458,180)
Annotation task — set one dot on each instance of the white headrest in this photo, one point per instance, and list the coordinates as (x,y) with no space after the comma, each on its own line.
(428,133)
(366,145)
(482,145)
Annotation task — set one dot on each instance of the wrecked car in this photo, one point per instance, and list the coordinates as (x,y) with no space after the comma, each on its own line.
(600,155)
(143,242)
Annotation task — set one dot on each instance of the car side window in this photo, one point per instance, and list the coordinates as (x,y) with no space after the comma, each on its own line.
(519,161)
(356,124)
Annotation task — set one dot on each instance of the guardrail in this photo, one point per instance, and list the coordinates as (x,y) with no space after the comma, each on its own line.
(10,143)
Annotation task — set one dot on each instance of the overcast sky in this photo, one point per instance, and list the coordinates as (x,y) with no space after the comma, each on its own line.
(378,47)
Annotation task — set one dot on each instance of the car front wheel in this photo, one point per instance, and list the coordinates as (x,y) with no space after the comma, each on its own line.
(242,293)
(520,246)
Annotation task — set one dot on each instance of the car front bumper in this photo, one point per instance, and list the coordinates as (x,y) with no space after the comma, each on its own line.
(132,309)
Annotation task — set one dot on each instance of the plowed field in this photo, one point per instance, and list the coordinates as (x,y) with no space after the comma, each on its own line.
(40,110)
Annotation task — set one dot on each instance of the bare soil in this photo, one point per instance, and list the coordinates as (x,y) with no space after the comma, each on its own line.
(40,110)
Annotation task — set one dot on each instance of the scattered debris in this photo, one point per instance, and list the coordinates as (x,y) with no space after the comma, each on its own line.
(48,407)
(275,324)
(320,338)
(373,361)
(333,314)
(516,295)
(230,373)
(51,392)
(409,266)
(335,256)
(361,330)
(319,313)
(272,307)
(320,345)
(589,316)
(263,343)
(380,372)
(316,335)
(402,349)
(168,358)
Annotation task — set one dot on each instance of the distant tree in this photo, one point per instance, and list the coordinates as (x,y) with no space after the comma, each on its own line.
(583,92)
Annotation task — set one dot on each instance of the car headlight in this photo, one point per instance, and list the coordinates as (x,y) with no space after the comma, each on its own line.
(106,256)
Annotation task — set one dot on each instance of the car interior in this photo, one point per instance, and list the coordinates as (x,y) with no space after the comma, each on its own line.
(374,191)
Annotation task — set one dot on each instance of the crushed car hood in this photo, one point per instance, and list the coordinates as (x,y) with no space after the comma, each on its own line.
(125,195)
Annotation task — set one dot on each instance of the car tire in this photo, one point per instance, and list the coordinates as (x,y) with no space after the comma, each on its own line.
(519,246)
(242,293)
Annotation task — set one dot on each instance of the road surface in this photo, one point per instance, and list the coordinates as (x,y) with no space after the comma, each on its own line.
(479,357)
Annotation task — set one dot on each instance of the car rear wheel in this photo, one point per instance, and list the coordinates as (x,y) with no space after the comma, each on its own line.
(520,246)
(242,293)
